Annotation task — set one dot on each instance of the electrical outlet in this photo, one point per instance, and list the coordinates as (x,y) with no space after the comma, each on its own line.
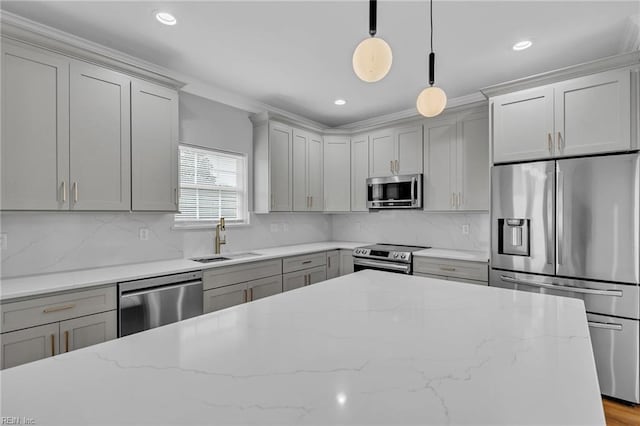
(465,229)
(143,234)
(3,241)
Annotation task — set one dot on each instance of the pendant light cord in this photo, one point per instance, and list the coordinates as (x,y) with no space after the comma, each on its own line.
(432,56)
(373,12)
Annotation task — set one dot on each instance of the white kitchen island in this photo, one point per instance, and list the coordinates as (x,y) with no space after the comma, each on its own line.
(367,348)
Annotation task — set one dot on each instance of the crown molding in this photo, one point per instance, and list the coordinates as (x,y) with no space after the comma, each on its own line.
(580,70)
(17,28)
(404,116)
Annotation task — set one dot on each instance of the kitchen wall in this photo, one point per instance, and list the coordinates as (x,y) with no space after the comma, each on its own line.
(43,242)
(442,230)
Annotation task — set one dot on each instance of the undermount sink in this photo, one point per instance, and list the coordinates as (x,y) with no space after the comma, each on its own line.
(218,258)
(210,259)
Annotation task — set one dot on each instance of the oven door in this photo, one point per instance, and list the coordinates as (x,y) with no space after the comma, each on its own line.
(360,264)
(394,192)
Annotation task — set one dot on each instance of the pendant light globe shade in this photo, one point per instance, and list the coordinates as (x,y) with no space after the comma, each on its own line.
(372,59)
(431,101)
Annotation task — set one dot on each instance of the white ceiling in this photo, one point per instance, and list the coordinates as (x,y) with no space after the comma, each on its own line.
(296,55)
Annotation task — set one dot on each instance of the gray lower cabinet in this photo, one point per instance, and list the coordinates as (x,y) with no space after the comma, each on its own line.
(333,264)
(299,279)
(224,297)
(31,344)
(45,326)
(86,331)
(452,270)
(346,262)
(232,285)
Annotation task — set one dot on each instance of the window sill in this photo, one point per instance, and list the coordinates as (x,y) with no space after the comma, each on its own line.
(206,226)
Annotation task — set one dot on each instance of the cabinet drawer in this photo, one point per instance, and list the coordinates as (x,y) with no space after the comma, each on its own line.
(477,271)
(44,310)
(228,275)
(306,261)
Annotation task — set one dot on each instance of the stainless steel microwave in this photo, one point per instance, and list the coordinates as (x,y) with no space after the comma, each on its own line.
(395,192)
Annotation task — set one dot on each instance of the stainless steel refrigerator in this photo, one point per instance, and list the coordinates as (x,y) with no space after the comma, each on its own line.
(571,228)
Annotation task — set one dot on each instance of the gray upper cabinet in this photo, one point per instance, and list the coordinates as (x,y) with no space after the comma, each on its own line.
(307,172)
(593,114)
(456,160)
(154,147)
(280,166)
(523,125)
(35,129)
(395,151)
(337,174)
(67,134)
(382,153)
(359,172)
(100,138)
(581,116)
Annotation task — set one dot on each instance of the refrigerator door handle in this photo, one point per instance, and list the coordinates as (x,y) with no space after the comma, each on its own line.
(549,208)
(607,326)
(560,207)
(553,286)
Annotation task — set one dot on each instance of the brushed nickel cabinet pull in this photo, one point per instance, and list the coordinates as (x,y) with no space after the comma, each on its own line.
(53,345)
(64,192)
(550,142)
(66,341)
(245,295)
(59,308)
(447,269)
(460,202)
(272,203)
(251,294)
(75,192)
(306,262)
(329,261)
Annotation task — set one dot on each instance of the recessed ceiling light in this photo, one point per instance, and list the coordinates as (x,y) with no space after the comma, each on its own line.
(166,18)
(521,45)
(340,102)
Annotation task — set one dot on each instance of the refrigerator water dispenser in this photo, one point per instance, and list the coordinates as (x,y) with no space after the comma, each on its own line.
(513,236)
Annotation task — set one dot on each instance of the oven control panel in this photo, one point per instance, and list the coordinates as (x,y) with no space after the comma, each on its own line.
(396,256)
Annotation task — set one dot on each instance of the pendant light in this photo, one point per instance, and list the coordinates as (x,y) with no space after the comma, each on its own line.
(431,100)
(372,58)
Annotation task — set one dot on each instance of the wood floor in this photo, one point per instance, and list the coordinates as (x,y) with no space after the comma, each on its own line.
(619,414)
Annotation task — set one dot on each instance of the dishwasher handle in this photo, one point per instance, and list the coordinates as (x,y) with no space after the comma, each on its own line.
(133,293)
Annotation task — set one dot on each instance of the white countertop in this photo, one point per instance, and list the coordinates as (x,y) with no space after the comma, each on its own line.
(369,347)
(34,285)
(468,255)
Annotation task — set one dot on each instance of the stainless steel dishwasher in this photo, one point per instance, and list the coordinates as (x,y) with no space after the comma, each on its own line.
(152,302)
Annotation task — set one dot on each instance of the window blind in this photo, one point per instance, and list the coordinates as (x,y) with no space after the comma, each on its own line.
(212,185)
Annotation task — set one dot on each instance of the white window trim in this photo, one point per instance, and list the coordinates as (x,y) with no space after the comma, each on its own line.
(211,224)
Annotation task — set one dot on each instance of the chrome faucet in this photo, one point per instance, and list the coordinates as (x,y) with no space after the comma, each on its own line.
(219,242)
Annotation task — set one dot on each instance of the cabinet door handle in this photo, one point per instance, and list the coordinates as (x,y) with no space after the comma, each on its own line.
(53,345)
(306,262)
(311,201)
(66,341)
(451,200)
(559,141)
(447,269)
(75,192)
(391,166)
(175,196)
(397,166)
(245,295)
(460,202)
(251,294)
(64,192)
(550,143)
(329,261)
(272,203)
(59,308)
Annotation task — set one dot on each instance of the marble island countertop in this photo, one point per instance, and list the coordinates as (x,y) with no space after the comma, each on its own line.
(365,348)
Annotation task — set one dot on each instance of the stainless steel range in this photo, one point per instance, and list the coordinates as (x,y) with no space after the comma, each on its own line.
(385,257)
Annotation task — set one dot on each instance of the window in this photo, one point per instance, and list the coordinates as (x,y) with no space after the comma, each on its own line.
(212,185)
